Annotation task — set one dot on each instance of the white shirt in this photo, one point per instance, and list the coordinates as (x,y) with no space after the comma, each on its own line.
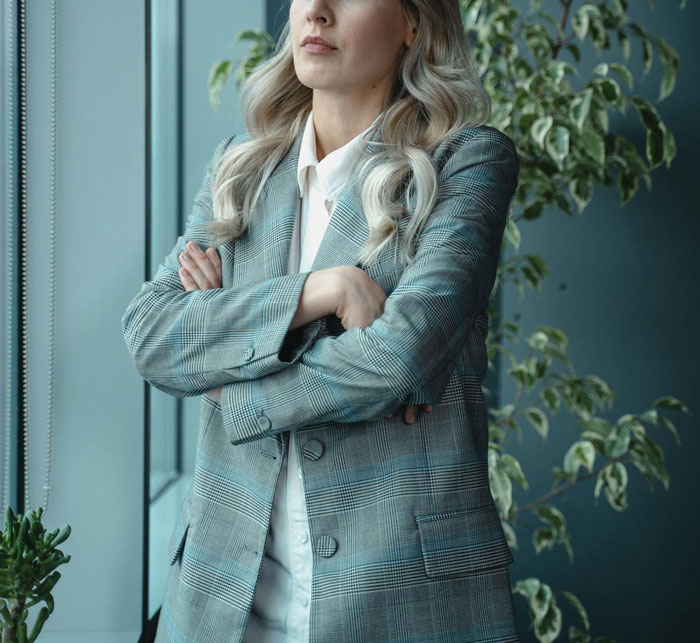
(282,601)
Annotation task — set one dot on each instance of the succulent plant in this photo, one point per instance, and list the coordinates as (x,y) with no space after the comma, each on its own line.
(28,561)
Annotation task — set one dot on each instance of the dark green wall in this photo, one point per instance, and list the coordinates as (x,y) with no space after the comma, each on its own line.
(277,13)
(624,288)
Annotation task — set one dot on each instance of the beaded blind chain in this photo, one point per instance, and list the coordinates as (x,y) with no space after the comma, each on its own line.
(21,102)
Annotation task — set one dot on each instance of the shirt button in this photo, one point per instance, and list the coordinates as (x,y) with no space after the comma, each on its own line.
(299,472)
(303,599)
(302,536)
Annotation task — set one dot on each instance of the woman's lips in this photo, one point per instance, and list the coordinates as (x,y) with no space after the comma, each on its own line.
(315,48)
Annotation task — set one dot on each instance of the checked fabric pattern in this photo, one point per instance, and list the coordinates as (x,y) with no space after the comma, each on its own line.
(407,541)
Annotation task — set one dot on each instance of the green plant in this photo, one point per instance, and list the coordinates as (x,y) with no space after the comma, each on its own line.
(262,47)
(28,560)
(566,147)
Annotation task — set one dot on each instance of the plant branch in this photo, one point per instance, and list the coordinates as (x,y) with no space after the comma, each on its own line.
(565,487)
(564,18)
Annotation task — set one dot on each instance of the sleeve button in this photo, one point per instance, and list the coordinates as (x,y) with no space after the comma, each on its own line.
(264,422)
(248,354)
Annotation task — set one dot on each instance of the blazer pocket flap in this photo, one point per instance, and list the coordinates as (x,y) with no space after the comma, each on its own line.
(179,535)
(460,542)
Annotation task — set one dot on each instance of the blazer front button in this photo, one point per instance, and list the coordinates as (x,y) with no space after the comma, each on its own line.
(312,449)
(264,422)
(326,546)
(248,354)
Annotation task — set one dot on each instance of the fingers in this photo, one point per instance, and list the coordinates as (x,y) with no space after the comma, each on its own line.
(412,412)
(200,270)
(187,280)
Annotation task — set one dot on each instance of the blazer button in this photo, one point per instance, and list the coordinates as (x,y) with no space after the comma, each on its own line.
(264,422)
(313,449)
(326,546)
(248,354)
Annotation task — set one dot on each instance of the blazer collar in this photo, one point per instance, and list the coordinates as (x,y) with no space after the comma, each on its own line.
(347,229)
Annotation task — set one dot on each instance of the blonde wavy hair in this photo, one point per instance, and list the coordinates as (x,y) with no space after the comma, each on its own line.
(436,92)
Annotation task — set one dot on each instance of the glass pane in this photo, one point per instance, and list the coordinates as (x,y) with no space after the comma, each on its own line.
(167,484)
(10,232)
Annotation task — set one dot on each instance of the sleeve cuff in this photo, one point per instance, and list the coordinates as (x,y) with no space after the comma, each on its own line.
(242,403)
(277,347)
(300,339)
(242,415)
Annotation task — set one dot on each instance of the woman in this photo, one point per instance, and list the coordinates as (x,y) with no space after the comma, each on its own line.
(336,269)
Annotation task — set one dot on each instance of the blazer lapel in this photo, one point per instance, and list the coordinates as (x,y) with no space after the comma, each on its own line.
(347,229)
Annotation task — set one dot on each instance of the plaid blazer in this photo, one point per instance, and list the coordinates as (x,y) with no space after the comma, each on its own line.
(407,540)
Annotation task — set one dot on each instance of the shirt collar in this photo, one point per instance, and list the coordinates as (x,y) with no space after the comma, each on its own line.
(332,171)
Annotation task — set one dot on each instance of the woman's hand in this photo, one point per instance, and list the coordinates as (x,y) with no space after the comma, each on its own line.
(359,302)
(412,412)
(201,271)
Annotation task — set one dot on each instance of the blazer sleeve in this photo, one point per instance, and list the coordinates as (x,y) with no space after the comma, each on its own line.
(187,343)
(413,346)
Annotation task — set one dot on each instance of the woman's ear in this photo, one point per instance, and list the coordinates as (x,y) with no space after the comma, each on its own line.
(411,24)
(411,30)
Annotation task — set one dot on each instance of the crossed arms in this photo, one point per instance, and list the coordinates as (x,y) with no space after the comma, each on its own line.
(273,379)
